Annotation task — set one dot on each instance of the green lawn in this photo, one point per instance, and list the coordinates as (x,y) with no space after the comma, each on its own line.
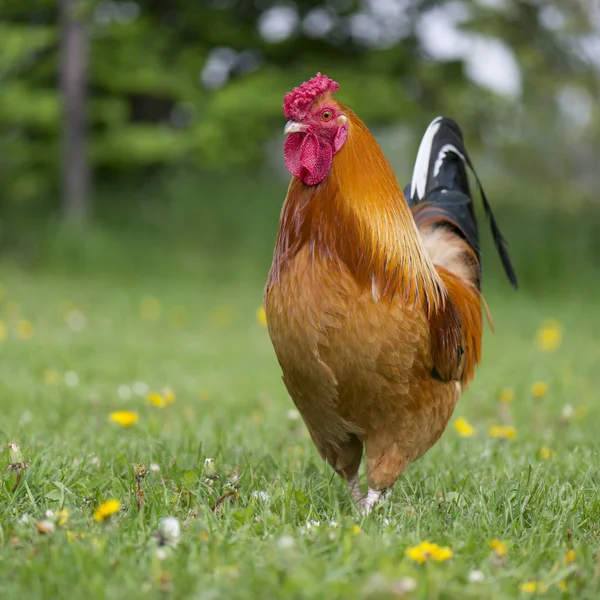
(92,352)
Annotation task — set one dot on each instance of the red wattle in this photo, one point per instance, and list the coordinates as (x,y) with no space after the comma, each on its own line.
(307,157)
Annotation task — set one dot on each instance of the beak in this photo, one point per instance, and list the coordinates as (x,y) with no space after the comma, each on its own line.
(294,127)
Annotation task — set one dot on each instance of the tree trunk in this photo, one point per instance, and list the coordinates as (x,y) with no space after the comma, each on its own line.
(73,83)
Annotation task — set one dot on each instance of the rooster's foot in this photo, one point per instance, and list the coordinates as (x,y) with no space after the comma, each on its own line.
(367,503)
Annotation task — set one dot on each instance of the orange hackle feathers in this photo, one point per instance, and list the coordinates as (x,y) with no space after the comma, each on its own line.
(362,220)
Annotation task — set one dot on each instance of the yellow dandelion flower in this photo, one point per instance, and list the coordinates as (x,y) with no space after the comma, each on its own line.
(150,308)
(549,337)
(570,557)
(499,548)
(204,536)
(106,509)
(3,331)
(531,587)
(72,536)
(51,377)
(261,316)
(169,396)
(24,329)
(464,428)
(428,551)
(546,453)
(507,395)
(125,418)
(505,432)
(539,389)
(417,553)
(63,516)
(355,529)
(156,399)
(562,585)
(443,554)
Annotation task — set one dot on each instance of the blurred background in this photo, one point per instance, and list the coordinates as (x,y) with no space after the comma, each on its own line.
(147,136)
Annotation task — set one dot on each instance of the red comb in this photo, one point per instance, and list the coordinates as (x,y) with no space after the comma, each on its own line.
(297,102)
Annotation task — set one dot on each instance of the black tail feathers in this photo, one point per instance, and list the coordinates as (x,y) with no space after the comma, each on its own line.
(440,186)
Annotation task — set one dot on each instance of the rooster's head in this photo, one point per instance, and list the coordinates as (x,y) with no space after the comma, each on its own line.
(316,129)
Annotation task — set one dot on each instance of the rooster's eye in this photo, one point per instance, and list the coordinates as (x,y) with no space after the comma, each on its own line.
(326,115)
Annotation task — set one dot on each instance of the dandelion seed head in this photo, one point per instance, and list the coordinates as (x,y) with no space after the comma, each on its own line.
(170,529)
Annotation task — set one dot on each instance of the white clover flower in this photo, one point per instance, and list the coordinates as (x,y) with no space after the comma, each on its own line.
(404,585)
(140,388)
(285,542)
(71,379)
(476,576)
(76,320)
(261,495)
(160,553)
(567,412)
(124,392)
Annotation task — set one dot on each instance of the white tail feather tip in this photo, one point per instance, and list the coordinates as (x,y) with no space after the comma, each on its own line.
(420,172)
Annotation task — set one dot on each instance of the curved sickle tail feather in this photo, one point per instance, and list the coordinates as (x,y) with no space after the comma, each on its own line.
(439,193)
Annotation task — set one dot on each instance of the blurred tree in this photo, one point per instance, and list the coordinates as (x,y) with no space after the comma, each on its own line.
(73,79)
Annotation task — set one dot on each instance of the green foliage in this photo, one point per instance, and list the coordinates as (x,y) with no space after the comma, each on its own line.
(148,108)
(20,43)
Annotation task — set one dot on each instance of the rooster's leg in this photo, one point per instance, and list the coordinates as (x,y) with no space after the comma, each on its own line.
(354,488)
(345,459)
(386,460)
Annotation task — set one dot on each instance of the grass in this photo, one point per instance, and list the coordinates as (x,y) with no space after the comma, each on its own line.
(97,344)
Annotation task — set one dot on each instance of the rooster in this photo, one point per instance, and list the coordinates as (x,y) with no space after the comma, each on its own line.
(373,302)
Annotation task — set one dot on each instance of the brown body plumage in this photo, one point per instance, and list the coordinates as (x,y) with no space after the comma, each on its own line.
(374,339)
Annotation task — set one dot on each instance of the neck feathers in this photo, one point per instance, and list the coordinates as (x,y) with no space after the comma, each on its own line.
(358,214)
